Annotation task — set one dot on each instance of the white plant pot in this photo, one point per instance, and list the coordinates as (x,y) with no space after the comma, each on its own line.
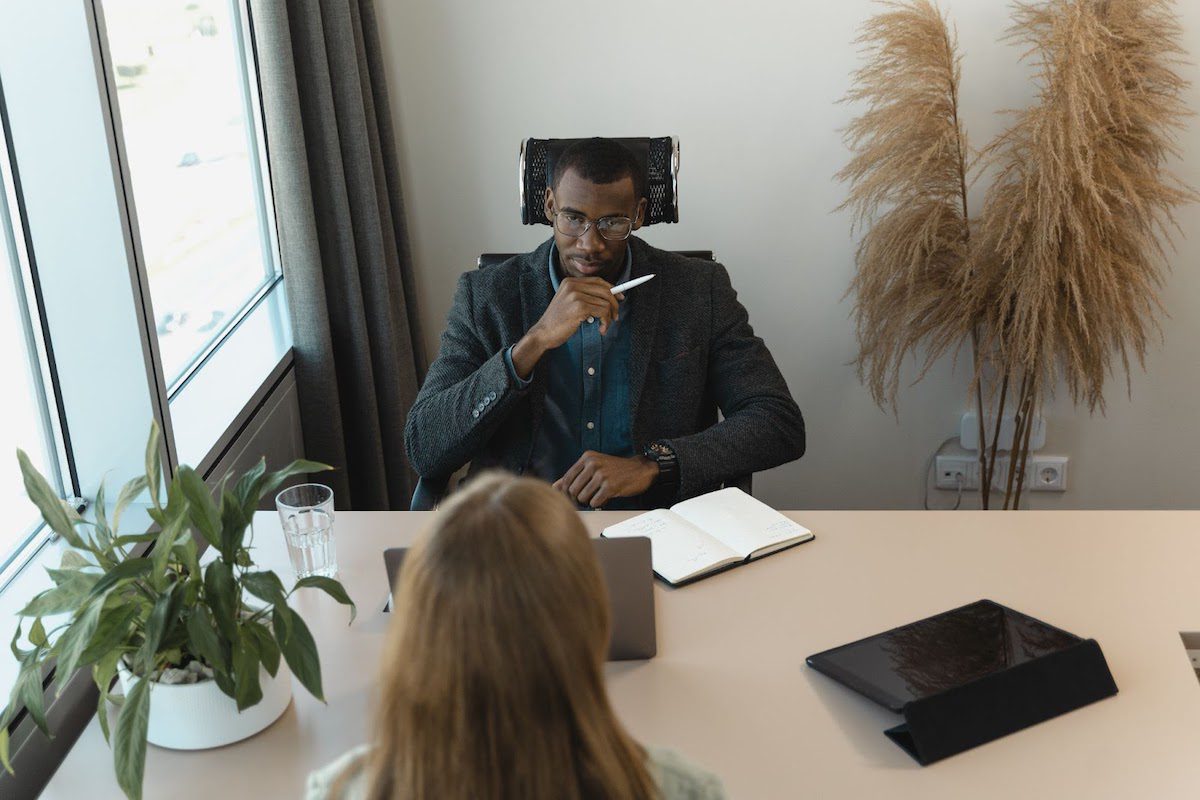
(196,716)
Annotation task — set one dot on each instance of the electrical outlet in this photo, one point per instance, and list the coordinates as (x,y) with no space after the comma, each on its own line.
(950,469)
(1047,474)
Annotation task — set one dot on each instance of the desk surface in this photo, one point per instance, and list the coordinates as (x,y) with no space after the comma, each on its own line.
(729,688)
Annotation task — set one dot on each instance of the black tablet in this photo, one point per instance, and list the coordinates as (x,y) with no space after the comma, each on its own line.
(940,652)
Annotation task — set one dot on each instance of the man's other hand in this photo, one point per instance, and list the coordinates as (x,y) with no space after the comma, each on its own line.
(597,478)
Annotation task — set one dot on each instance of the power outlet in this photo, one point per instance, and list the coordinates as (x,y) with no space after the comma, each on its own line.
(953,470)
(1047,474)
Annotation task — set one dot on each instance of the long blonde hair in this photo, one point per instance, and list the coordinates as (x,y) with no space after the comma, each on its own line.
(493,681)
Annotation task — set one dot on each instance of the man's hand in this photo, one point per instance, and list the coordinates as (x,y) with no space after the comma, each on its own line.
(575,301)
(597,478)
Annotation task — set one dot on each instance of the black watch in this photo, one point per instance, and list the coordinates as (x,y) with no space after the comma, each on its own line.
(664,456)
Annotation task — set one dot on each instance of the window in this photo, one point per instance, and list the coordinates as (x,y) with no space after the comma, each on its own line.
(28,422)
(188,113)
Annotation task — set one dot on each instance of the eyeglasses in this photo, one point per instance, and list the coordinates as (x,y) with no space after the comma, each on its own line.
(614,229)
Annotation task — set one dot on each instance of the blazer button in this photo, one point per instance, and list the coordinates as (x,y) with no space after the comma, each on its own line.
(491,395)
(475,413)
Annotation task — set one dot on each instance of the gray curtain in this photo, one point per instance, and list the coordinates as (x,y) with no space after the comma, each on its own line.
(332,156)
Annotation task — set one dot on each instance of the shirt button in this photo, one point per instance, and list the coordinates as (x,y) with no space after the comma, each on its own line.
(591,370)
(591,320)
(591,425)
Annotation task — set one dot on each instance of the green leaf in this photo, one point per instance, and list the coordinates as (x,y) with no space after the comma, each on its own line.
(330,587)
(162,546)
(73,559)
(247,686)
(129,740)
(135,538)
(186,553)
(104,672)
(37,634)
(233,526)
(128,569)
(275,479)
(247,488)
(265,586)
(4,749)
(67,596)
(100,513)
(161,617)
(27,691)
(74,641)
(112,632)
(299,649)
(268,649)
(220,591)
(154,464)
(129,492)
(202,508)
(203,638)
(58,515)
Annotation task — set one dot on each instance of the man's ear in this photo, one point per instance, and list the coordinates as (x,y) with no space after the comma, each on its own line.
(548,204)
(639,216)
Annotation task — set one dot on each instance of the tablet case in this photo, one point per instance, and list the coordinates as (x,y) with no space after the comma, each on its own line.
(997,704)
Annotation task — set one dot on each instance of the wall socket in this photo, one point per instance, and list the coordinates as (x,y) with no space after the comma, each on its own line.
(1046,473)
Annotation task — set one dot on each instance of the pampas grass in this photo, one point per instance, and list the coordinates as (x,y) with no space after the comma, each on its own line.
(910,159)
(1058,278)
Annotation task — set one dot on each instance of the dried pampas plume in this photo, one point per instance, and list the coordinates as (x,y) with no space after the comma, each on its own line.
(1059,277)
(908,181)
(1074,226)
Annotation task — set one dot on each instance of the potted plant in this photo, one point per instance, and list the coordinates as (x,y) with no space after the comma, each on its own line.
(160,615)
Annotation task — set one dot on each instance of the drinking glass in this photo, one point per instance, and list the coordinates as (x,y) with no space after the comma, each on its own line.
(307,514)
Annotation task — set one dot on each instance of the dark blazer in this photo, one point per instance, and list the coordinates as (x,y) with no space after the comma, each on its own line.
(692,352)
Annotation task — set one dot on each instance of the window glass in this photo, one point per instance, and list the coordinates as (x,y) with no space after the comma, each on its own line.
(25,423)
(191,143)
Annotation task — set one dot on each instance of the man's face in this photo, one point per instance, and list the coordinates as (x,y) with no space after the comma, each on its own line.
(591,255)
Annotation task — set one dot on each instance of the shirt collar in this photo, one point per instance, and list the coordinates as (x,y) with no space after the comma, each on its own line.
(553,265)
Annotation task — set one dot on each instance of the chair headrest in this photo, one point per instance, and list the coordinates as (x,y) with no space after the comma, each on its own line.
(658,155)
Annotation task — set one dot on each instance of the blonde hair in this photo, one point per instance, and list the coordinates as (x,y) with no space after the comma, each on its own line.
(493,681)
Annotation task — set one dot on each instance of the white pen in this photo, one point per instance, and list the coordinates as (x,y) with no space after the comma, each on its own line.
(627,285)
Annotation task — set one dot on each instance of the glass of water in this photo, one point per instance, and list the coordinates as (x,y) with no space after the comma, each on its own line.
(307,514)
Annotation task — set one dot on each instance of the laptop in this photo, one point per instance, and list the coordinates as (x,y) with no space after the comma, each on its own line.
(630,581)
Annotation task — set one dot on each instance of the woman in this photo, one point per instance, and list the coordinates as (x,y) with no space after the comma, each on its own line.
(493,677)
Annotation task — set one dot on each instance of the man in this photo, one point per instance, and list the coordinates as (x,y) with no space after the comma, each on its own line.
(613,399)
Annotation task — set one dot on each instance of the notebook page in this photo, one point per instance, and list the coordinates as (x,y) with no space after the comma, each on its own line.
(678,549)
(748,526)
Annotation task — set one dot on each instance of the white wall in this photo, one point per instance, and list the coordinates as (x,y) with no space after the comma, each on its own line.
(751,89)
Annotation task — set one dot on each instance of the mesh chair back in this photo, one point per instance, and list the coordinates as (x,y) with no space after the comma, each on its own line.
(658,155)
(492,259)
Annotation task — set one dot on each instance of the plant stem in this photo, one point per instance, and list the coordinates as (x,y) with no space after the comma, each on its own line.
(991,470)
(985,481)
(1025,446)
(1016,439)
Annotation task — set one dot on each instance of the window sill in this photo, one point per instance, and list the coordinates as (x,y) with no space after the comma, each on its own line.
(216,401)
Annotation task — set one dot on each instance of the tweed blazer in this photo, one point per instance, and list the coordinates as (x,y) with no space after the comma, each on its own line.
(692,353)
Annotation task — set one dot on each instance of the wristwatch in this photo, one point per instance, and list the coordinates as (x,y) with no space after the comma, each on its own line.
(664,456)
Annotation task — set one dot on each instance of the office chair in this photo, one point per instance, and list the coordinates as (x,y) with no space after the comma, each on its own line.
(659,156)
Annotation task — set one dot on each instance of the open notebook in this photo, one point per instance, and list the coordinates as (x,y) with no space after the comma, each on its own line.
(709,533)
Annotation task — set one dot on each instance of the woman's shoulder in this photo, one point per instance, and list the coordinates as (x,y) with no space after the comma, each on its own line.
(321,781)
(679,779)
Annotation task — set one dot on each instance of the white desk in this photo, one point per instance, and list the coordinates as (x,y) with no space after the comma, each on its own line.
(729,687)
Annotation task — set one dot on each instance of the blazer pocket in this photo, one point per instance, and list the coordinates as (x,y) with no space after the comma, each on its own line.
(677,357)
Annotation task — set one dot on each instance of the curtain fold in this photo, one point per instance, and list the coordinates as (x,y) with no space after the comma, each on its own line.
(343,240)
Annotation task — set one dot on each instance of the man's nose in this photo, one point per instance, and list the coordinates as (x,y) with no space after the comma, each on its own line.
(591,240)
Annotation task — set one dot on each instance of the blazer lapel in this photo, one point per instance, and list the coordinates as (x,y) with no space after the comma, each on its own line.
(643,322)
(536,293)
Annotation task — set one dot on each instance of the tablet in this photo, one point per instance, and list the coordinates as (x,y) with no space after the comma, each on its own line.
(940,652)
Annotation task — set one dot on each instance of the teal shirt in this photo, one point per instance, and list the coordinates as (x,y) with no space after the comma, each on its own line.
(587,393)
